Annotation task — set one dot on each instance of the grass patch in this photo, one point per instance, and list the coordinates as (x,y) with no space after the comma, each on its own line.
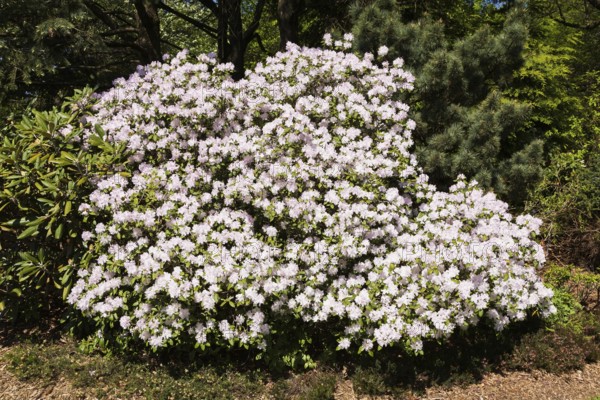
(569,342)
(105,376)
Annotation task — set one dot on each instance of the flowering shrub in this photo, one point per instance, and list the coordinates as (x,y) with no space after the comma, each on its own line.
(292,194)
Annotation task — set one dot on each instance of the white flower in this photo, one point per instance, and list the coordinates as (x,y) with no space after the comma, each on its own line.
(383,51)
(125,322)
(271,231)
(100,228)
(367,344)
(344,343)
(298,152)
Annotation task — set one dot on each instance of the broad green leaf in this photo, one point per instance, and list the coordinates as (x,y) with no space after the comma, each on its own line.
(68,206)
(59,231)
(32,230)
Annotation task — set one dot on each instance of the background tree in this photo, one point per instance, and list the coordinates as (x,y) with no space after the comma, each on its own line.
(464,122)
(561,79)
(583,15)
(228,28)
(288,17)
(50,47)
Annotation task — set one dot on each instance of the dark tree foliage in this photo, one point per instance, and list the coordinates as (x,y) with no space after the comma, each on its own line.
(320,17)
(464,123)
(579,14)
(50,47)
(288,19)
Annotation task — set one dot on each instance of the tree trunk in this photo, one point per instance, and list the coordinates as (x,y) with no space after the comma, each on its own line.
(237,45)
(232,39)
(222,29)
(288,12)
(148,24)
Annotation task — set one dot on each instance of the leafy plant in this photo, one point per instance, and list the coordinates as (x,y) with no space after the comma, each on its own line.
(304,204)
(465,124)
(578,282)
(568,196)
(555,351)
(568,199)
(46,174)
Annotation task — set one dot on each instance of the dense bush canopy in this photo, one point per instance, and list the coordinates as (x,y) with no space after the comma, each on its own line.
(291,193)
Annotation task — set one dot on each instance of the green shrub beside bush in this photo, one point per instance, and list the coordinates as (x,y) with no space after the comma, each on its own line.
(570,338)
(568,200)
(46,173)
(555,351)
(581,284)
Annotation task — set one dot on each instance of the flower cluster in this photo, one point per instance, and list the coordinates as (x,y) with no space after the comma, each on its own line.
(292,193)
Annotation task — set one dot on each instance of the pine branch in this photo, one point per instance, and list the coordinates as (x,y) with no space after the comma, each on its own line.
(588,27)
(563,20)
(122,17)
(211,6)
(260,43)
(125,45)
(594,3)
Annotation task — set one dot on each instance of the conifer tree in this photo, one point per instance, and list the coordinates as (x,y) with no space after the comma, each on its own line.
(464,123)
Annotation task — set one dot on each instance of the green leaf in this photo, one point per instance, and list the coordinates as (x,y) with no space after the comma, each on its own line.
(36,222)
(16,222)
(58,234)
(68,206)
(31,231)
(66,277)
(28,257)
(26,272)
(99,130)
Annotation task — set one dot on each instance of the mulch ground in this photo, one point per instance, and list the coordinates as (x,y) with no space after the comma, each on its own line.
(12,388)
(576,385)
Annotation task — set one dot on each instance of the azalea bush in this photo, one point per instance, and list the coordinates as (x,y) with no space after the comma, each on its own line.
(291,197)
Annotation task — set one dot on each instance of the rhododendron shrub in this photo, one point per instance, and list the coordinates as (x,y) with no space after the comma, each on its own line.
(292,195)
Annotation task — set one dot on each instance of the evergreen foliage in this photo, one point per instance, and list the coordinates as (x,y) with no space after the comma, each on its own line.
(464,123)
(45,176)
(568,199)
(48,48)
